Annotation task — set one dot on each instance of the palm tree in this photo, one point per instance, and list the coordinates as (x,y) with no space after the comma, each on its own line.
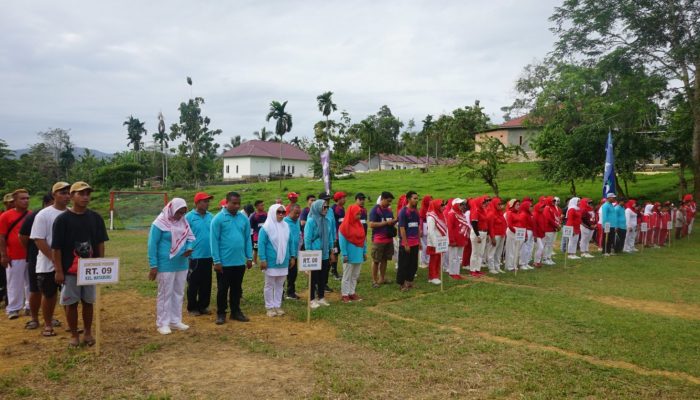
(326,107)
(162,138)
(296,141)
(283,125)
(234,142)
(135,133)
(263,134)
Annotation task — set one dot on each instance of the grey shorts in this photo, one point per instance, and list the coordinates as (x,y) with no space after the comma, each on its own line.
(72,293)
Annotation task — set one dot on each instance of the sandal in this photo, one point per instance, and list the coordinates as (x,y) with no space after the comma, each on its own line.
(33,324)
(89,342)
(55,323)
(73,344)
(48,332)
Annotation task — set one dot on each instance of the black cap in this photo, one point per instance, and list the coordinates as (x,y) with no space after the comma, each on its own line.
(324,196)
(387,195)
(360,196)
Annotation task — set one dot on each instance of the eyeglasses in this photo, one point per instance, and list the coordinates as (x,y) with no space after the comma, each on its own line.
(281,212)
(325,207)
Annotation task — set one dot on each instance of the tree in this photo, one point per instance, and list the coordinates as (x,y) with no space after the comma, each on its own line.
(263,134)
(676,144)
(661,35)
(135,133)
(283,125)
(326,107)
(8,166)
(58,144)
(198,143)
(44,170)
(234,142)
(486,162)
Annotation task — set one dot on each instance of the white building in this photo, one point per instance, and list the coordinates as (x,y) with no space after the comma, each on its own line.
(257,158)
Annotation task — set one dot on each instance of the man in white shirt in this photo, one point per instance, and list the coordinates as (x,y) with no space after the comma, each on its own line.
(41,234)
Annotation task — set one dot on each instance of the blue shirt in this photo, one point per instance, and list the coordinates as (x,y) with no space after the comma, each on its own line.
(620,220)
(608,215)
(267,252)
(312,238)
(355,255)
(231,245)
(294,234)
(159,252)
(201,226)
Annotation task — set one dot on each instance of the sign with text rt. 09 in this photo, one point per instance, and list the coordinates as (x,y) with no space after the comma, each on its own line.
(310,260)
(520,234)
(606,227)
(93,271)
(567,231)
(441,244)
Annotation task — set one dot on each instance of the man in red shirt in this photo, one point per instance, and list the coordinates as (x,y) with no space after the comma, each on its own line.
(13,255)
(292,197)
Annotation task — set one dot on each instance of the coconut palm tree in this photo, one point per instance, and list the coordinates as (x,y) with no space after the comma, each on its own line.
(234,142)
(326,107)
(135,132)
(283,124)
(263,134)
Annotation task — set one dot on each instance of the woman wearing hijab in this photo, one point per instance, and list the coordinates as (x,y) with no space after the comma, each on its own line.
(479,234)
(550,229)
(423,213)
(277,253)
(514,220)
(437,228)
(631,221)
(588,225)
(573,219)
(169,245)
(353,246)
(319,235)
(526,249)
(457,229)
(497,236)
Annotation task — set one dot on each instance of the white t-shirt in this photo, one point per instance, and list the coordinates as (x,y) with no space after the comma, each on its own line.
(42,229)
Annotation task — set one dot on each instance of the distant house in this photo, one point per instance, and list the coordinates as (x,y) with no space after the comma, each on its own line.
(395,161)
(512,132)
(257,158)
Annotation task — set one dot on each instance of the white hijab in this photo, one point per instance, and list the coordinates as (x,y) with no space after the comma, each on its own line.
(179,229)
(278,232)
(573,203)
(648,209)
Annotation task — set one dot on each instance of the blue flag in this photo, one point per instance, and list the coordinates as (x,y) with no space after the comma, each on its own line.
(609,172)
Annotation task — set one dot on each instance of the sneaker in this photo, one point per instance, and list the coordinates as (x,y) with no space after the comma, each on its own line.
(221,319)
(279,311)
(456,277)
(475,274)
(194,313)
(239,316)
(574,257)
(587,255)
(435,281)
(271,312)
(346,299)
(328,289)
(324,302)
(355,297)
(13,315)
(314,304)
(501,271)
(292,296)
(180,326)
(164,330)
(205,312)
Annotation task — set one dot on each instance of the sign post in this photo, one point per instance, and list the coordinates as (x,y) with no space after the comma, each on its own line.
(519,240)
(644,228)
(669,228)
(309,261)
(567,232)
(441,247)
(97,271)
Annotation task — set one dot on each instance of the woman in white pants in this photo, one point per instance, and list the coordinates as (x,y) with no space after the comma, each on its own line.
(528,245)
(588,225)
(478,234)
(497,235)
(631,217)
(423,213)
(169,245)
(573,219)
(352,240)
(276,252)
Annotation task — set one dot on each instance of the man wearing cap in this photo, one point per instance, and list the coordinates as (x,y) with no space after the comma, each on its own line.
(42,234)
(383,224)
(339,214)
(608,216)
(199,274)
(13,256)
(77,233)
(292,197)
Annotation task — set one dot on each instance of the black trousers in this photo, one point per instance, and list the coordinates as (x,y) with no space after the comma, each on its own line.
(199,284)
(408,265)
(609,241)
(620,235)
(336,251)
(292,280)
(229,285)
(3,286)
(319,280)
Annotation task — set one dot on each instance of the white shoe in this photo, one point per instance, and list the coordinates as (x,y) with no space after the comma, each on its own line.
(574,257)
(164,330)
(587,255)
(500,271)
(324,302)
(314,304)
(180,326)
(493,271)
(279,311)
(271,312)
(435,281)
(549,262)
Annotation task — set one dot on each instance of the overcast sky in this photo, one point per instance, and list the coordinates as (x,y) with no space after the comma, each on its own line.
(87,65)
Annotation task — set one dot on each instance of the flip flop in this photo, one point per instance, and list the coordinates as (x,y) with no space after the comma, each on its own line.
(48,332)
(89,342)
(33,324)
(55,323)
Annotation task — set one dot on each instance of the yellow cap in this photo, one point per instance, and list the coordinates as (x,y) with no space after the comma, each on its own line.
(79,187)
(58,186)
(7,198)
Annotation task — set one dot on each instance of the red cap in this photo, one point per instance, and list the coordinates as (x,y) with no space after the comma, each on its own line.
(202,196)
(223,203)
(688,197)
(292,195)
(338,195)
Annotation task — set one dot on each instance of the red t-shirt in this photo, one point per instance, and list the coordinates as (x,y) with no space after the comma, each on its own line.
(15,250)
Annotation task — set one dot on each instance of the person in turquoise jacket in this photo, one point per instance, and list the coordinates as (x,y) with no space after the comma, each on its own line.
(620,226)
(292,219)
(276,253)
(608,215)
(232,253)
(170,242)
(353,246)
(319,234)
(199,276)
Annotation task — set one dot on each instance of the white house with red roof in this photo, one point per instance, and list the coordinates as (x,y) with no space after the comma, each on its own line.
(257,158)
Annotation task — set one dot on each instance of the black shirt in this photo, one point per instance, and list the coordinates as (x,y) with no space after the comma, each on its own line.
(77,236)
(26,230)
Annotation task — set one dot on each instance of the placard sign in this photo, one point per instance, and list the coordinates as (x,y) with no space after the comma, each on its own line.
(93,271)
(310,260)
(442,244)
(520,234)
(606,228)
(669,225)
(567,231)
(645,227)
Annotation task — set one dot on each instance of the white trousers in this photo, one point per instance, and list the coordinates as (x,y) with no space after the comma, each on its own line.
(424,257)
(478,249)
(690,226)
(455,259)
(445,260)
(549,244)
(171,290)
(274,288)
(573,243)
(539,249)
(351,272)
(586,236)
(510,250)
(526,249)
(494,253)
(17,286)
(630,239)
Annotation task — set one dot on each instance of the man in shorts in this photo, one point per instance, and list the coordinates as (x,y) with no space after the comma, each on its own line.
(41,233)
(32,254)
(382,222)
(77,233)
(13,256)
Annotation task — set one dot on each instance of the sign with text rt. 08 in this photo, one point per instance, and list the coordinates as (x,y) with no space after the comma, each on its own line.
(309,260)
(93,271)
(567,231)
(442,244)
